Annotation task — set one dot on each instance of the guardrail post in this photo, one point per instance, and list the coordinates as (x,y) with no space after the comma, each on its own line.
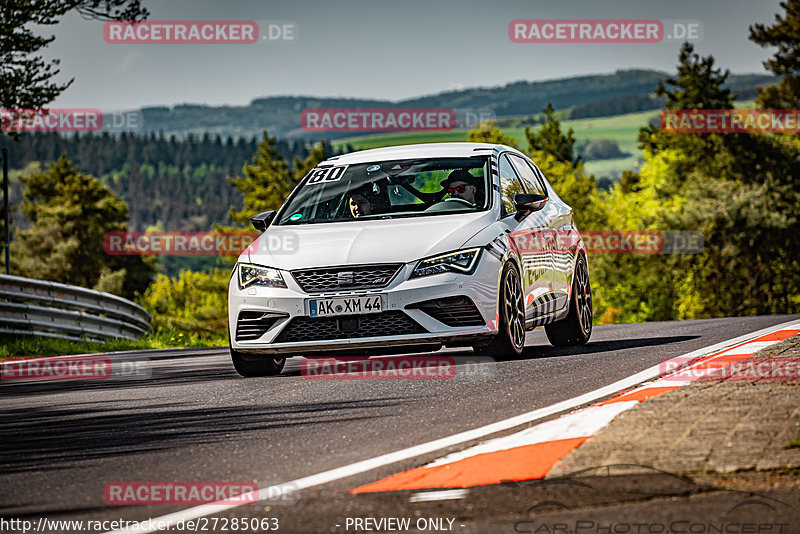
(6,212)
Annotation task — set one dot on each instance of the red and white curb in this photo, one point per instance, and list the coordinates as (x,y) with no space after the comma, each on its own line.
(558,435)
(532,453)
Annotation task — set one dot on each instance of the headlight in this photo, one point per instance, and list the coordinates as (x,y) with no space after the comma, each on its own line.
(255,275)
(461,261)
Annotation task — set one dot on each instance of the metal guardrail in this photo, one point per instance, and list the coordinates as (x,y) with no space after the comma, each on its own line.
(50,309)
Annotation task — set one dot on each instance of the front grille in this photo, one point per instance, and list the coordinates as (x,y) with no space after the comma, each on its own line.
(452,311)
(346,278)
(389,323)
(254,324)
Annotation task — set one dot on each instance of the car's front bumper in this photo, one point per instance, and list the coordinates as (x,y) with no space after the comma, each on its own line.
(291,303)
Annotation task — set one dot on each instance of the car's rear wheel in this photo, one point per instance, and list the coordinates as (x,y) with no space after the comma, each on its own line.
(252,365)
(510,339)
(576,327)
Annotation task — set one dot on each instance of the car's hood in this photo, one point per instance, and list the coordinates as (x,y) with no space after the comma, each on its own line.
(353,242)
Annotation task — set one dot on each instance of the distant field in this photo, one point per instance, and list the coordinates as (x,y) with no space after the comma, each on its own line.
(621,128)
(624,129)
(611,168)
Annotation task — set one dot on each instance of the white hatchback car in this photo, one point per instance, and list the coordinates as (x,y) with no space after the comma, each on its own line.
(406,249)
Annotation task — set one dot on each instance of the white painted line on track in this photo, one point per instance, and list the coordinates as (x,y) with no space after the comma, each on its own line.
(443,495)
(362,466)
(749,348)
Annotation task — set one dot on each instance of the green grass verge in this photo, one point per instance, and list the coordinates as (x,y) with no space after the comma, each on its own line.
(21,347)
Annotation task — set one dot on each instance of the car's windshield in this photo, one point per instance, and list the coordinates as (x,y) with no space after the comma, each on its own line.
(387,189)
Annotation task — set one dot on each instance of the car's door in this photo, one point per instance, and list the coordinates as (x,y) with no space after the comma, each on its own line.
(532,244)
(560,224)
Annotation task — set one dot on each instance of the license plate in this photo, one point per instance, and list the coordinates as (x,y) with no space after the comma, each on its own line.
(344,306)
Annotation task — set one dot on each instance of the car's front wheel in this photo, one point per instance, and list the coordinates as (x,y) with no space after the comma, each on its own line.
(510,339)
(251,365)
(576,327)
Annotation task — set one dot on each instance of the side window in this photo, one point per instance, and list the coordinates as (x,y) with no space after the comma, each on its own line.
(509,185)
(542,179)
(528,176)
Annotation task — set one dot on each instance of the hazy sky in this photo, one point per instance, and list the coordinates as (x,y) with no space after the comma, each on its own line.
(380,49)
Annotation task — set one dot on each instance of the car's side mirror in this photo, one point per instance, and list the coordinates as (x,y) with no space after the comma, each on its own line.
(262,221)
(527,203)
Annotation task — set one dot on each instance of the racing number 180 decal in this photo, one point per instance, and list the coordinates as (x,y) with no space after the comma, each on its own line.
(328,174)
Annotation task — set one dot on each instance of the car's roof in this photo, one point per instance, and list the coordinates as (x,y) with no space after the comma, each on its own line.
(426,150)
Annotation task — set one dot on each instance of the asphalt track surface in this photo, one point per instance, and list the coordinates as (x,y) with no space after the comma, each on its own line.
(195,419)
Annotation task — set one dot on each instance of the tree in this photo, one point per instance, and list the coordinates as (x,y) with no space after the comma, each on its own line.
(600,149)
(25,77)
(267,181)
(698,84)
(70,213)
(740,191)
(320,152)
(550,138)
(785,35)
(191,302)
(488,132)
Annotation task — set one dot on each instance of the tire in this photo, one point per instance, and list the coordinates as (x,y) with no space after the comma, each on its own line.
(510,339)
(251,365)
(576,328)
